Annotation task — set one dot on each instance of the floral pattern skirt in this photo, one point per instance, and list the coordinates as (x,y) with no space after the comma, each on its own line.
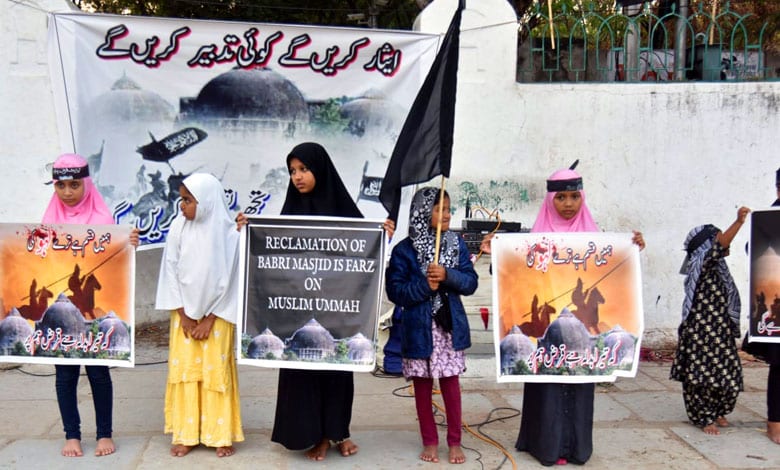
(444,360)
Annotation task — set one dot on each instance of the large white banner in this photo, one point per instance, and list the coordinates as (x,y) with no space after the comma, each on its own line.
(151,100)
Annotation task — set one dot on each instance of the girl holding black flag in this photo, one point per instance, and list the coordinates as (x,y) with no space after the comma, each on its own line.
(436,331)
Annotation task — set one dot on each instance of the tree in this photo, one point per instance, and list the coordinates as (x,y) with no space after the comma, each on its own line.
(386,14)
(762,15)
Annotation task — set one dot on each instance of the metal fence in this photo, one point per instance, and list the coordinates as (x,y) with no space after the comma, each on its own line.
(644,42)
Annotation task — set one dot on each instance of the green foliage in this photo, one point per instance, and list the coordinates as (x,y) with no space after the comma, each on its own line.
(396,14)
(290,356)
(245,340)
(327,117)
(19,349)
(521,368)
(342,350)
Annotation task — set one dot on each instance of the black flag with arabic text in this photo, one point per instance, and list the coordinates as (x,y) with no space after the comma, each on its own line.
(424,146)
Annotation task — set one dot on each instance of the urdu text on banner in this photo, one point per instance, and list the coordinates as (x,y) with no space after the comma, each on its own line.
(151,100)
(69,291)
(569,306)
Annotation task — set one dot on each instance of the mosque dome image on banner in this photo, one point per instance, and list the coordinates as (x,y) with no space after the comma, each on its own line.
(119,341)
(128,102)
(312,342)
(625,343)
(568,330)
(373,113)
(266,345)
(514,347)
(360,349)
(64,315)
(258,97)
(13,329)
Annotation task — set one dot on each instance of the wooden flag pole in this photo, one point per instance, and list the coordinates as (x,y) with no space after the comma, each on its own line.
(438,225)
(550,18)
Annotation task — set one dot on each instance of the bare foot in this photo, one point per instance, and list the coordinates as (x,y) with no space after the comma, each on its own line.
(347,448)
(72,448)
(711,429)
(457,455)
(773,431)
(105,446)
(225,451)
(722,422)
(180,450)
(318,452)
(430,454)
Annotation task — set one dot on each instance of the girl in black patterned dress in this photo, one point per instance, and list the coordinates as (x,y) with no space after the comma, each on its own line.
(706,361)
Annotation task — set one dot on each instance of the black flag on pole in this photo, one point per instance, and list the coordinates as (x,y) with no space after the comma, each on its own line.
(424,146)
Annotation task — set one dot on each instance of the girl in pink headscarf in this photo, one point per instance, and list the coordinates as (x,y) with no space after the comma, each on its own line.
(557,418)
(564,208)
(76,200)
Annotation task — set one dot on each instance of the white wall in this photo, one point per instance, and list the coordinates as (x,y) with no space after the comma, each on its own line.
(658,158)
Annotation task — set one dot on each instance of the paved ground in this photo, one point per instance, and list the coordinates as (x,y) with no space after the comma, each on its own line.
(639,423)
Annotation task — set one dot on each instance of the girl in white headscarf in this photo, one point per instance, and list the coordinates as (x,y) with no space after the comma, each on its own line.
(198,284)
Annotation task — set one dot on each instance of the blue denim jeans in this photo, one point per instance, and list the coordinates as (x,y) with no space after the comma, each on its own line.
(67,380)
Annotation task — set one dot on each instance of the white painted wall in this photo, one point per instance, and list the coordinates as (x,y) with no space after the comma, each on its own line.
(658,158)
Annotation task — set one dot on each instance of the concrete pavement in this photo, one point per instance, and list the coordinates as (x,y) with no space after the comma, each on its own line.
(639,423)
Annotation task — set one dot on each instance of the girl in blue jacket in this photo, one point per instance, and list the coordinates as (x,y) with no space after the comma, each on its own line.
(436,331)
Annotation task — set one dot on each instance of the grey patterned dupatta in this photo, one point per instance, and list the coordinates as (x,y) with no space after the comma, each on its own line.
(698,243)
(423,237)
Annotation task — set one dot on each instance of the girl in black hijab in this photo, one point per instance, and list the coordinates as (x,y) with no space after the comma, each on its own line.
(328,196)
(314,407)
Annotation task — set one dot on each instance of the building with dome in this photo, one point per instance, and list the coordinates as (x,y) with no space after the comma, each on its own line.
(266,345)
(566,330)
(360,349)
(64,315)
(625,343)
(515,346)
(119,339)
(13,329)
(112,126)
(127,102)
(373,113)
(312,342)
(247,99)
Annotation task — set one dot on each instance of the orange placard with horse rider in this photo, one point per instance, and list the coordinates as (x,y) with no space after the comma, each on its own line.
(67,294)
(568,306)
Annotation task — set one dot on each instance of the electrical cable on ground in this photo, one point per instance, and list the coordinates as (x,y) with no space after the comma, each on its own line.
(468,427)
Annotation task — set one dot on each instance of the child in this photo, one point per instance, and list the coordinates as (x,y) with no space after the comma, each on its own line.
(556,424)
(314,407)
(77,201)
(436,330)
(198,284)
(706,361)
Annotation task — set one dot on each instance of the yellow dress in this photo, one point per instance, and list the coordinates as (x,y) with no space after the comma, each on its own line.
(201,397)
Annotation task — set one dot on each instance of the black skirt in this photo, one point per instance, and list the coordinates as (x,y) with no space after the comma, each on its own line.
(312,405)
(557,422)
(767,352)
